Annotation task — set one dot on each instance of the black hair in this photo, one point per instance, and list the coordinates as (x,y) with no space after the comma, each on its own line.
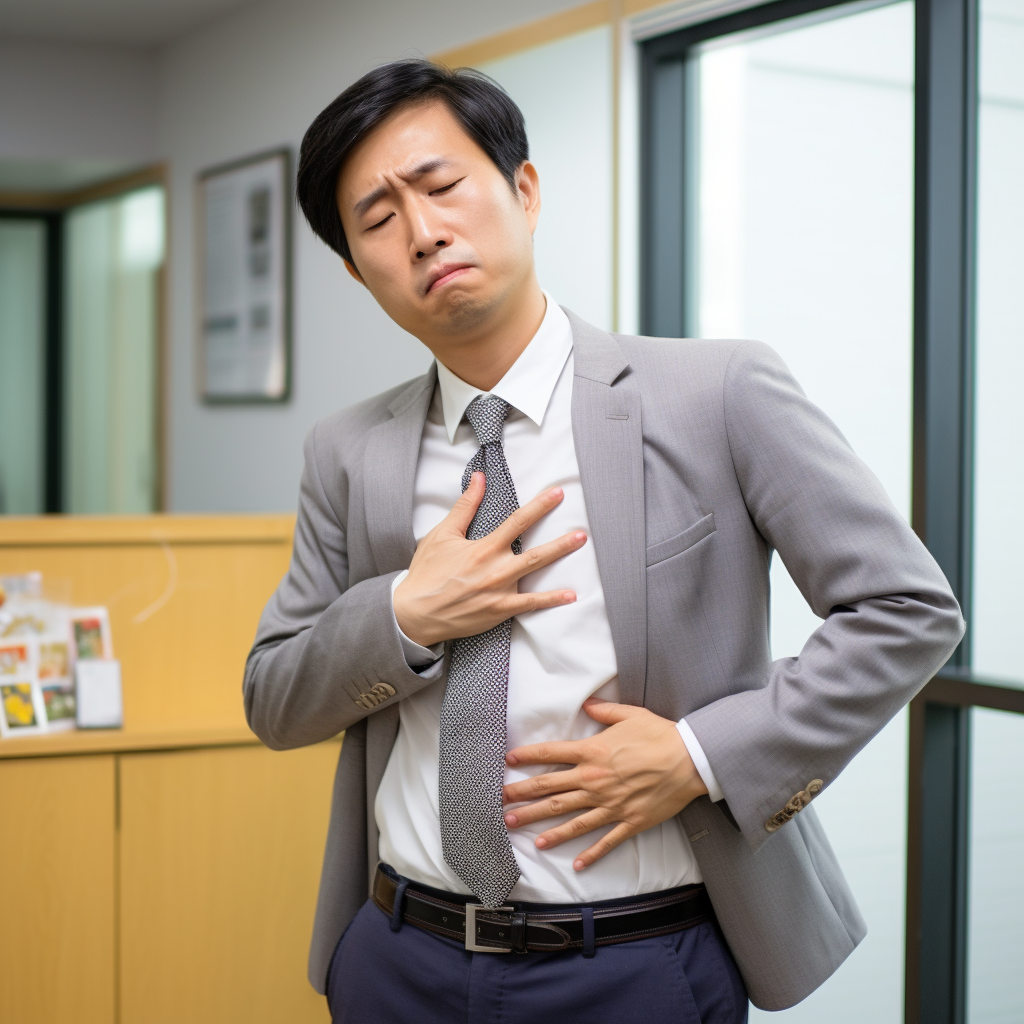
(481,106)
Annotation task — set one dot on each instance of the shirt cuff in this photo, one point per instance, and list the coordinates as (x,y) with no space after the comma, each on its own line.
(699,759)
(415,655)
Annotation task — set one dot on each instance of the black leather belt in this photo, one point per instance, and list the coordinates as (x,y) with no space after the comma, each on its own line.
(538,927)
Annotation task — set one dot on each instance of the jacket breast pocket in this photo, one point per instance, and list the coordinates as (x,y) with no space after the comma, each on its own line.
(681,541)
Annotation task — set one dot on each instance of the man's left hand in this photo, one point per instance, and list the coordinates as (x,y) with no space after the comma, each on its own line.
(636,773)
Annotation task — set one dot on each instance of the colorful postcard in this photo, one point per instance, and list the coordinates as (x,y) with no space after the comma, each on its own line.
(91,630)
(16,659)
(23,713)
(54,659)
(59,703)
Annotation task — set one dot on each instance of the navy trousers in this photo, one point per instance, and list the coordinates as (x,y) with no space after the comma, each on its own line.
(412,976)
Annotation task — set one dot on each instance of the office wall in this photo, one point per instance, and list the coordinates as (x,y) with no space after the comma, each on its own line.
(74,101)
(249,82)
(564,89)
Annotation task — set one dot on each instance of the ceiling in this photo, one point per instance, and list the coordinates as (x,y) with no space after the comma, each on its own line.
(134,22)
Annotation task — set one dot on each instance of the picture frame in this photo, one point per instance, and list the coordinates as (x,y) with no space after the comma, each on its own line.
(244,280)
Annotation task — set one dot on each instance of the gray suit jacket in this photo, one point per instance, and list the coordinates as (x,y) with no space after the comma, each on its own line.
(698,460)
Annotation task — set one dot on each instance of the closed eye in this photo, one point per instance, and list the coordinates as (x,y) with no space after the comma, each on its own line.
(445,189)
(380,223)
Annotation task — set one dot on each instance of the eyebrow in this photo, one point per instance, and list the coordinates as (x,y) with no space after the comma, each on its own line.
(381,191)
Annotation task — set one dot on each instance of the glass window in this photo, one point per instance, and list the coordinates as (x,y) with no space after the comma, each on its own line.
(998,603)
(113,255)
(22,365)
(995,994)
(802,194)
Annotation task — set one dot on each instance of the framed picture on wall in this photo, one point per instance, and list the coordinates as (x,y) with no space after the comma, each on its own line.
(244,280)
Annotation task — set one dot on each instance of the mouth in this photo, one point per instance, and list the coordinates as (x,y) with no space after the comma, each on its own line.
(443,273)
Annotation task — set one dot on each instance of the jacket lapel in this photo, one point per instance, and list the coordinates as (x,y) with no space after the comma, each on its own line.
(389,475)
(609,449)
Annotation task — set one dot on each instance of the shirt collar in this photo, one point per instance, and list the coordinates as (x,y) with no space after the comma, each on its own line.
(530,380)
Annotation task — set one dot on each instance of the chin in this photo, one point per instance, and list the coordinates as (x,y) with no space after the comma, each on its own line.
(463,311)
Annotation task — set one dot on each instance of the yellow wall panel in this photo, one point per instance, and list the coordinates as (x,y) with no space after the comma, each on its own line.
(220,858)
(57,902)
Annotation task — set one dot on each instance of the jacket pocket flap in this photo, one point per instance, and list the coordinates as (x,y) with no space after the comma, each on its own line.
(681,541)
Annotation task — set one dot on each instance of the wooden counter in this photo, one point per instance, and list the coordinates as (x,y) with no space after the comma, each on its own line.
(167,871)
(185,594)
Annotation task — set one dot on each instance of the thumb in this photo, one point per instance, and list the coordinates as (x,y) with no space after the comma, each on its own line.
(608,712)
(465,508)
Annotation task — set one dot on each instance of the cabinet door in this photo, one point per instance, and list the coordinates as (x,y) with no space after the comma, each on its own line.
(220,857)
(57,878)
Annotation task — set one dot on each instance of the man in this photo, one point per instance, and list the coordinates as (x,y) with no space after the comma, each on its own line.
(532,588)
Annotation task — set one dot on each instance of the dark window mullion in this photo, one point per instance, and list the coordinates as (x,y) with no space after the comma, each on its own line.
(945,152)
(54,375)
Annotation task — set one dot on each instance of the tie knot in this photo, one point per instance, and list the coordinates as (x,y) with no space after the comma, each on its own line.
(487,415)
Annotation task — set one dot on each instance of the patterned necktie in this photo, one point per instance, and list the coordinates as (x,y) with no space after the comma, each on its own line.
(472,754)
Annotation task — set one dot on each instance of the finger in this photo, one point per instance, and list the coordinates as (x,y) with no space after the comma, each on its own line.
(520,604)
(603,846)
(556,752)
(465,508)
(574,827)
(523,518)
(538,786)
(544,554)
(550,808)
(607,712)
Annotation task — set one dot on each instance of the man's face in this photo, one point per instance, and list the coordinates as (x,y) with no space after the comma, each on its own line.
(436,233)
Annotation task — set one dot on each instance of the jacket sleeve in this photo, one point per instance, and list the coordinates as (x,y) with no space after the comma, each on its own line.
(326,654)
(890,618)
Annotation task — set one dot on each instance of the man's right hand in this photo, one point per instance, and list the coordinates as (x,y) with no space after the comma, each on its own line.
(458,587)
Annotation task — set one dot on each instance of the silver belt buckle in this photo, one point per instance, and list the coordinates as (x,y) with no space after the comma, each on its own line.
(471,943)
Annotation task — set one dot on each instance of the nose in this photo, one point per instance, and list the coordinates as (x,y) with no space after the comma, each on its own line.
(440,243)
(427,234)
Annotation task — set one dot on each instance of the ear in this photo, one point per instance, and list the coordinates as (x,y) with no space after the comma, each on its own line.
(350,267)
(529,192)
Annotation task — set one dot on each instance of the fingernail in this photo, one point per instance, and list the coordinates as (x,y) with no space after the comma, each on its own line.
(578,865)
(541,842)
(556,492)
(595,700)
(569,597)
(511,820)
(511,759)
(580,537)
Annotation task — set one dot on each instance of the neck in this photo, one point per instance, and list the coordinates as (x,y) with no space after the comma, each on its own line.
(482,357)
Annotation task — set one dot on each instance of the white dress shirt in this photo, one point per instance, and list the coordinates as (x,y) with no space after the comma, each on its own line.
(559,657)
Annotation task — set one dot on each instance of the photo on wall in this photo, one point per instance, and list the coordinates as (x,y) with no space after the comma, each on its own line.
(245,280)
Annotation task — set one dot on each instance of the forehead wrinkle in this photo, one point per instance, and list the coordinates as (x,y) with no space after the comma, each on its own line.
(410,175)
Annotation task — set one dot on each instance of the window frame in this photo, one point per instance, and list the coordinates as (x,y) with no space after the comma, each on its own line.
(53,349)
(945,163)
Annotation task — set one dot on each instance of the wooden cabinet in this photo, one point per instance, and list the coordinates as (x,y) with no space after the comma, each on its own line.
(57,876)
(167,871)
(144,887)
(220,853)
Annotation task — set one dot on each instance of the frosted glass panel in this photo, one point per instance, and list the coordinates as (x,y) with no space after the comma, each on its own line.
(803,201)
(995,952)
(22,360)
(114,250)
(564,90)
(999,481)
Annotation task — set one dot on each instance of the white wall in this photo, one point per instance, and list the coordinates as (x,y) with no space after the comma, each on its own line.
(74,101)
(255,80)
(564,90)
